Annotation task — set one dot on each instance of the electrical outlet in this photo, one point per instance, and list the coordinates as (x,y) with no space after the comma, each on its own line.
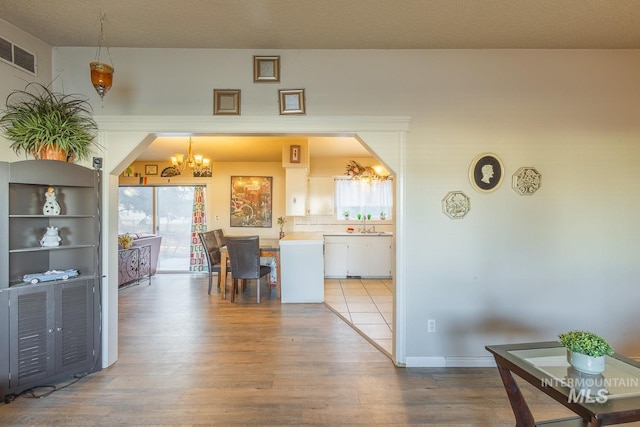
(431,325)
(217,218)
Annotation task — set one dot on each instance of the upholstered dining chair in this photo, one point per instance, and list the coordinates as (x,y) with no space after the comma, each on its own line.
(212,252)
(219,234)
(244,252)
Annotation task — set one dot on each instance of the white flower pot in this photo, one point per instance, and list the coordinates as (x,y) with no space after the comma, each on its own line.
(587,364)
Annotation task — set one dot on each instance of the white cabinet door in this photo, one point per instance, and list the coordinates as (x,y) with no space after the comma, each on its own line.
(335,256)
(296,192)
(321,195)
(357,256)
(380,256)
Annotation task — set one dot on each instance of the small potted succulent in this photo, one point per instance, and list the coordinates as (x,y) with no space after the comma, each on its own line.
(345,214)
(586,351)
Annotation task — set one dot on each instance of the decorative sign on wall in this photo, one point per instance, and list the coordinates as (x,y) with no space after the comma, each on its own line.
(486,172)
(526,181)
(251,201)
(456,204)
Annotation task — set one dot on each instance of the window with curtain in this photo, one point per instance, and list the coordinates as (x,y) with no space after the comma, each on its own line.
(373,198)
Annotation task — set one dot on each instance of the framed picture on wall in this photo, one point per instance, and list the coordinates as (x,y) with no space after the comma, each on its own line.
(266,69)
(294,154)
(151,169)
(226,102)
(291,101)
(486,172)
(251,201)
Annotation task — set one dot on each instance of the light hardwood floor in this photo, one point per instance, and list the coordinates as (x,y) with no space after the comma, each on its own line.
(191,359)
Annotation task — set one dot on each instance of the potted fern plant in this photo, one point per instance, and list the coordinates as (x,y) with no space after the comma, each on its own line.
(586,351)
(49,125)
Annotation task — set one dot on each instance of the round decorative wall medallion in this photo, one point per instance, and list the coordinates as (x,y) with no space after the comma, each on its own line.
(526,181)
(456,204)
(486,172)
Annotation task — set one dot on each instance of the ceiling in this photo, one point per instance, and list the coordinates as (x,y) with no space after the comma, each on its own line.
(323,24)
(251,148)
(332,24)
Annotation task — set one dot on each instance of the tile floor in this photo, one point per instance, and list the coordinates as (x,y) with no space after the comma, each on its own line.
(366,304)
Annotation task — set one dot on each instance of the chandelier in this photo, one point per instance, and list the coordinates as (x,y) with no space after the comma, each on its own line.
(198,164)
(365,173)
(101,73)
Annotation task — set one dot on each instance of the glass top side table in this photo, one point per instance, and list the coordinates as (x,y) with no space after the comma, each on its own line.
(612,397)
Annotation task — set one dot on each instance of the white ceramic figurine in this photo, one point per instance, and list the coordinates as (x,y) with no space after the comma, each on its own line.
(51,237)
(51,206)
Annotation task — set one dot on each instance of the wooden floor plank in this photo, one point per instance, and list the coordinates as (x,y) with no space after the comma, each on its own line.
(187,358)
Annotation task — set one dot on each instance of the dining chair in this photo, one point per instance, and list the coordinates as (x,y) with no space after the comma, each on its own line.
(219,234)
(244,252)
(212,252)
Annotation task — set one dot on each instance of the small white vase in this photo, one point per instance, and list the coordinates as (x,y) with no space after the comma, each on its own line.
(587,364)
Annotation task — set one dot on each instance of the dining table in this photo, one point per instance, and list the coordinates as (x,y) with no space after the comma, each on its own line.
(269,247)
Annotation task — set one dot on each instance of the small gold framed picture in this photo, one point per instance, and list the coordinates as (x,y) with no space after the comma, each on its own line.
(226,101)
(292,101)
(151,169)
(266,69)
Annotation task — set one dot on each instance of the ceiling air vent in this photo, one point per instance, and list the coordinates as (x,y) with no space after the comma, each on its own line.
(16,56)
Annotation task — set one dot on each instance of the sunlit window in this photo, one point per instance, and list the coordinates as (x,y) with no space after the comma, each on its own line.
(362,197)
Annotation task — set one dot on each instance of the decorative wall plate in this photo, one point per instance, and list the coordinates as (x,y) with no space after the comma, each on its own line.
(526,181)
(170,171)
(456,204)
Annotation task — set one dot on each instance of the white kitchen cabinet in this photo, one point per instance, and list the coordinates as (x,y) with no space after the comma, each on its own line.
(380,256)
(335,256)
(321,195)
(357,256)
(296,191)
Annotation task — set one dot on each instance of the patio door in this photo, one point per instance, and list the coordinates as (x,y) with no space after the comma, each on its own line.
(162,210)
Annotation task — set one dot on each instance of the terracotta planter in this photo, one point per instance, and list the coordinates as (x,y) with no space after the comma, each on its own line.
(52,153)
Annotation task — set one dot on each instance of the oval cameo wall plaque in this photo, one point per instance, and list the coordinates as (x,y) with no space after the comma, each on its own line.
(486,172)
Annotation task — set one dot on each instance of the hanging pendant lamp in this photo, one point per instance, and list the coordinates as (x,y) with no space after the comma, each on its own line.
(101,73)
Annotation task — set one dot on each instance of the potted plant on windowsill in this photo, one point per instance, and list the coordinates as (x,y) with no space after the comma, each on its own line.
(48,124)
(586,351)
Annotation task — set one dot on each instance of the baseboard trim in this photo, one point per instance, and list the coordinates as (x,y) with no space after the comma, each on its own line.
(450,362)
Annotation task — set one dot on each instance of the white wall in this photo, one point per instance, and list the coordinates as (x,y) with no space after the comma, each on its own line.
(15,78)
(517,268)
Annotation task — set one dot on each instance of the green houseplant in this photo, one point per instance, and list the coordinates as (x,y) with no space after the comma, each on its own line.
(39,121)
(586,351)
(281,222)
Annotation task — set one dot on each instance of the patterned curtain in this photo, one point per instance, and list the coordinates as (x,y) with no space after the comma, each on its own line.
(198,224)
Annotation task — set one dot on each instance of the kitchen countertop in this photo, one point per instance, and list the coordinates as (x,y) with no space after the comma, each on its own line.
(357,233)
(299,237)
